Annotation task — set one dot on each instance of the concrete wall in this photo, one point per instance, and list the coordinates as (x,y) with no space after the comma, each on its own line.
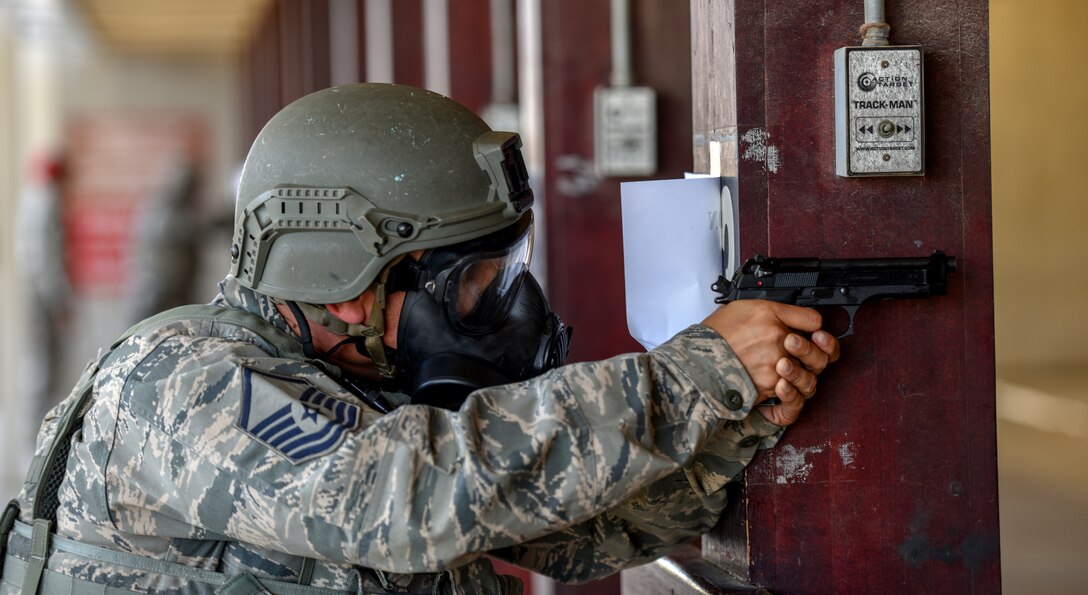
(1039,93)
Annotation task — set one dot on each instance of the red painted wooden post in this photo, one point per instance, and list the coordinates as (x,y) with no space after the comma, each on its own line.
(470,53)
(408,42)
(889,482)
(288,58)
(585,246)
(304,47)
(261,77)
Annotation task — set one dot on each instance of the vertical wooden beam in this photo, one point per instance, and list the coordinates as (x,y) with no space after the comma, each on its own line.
(304,49)
(316,48)
(470,53)
(661,56)
(262,95)
(713,81)
(289,57)
(408,42)
(888,484)
(291,47)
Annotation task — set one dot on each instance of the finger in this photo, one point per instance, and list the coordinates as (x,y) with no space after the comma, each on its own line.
(828,343)
(801,379)
(811,356)
(798,317)
(786,412)
(765,381)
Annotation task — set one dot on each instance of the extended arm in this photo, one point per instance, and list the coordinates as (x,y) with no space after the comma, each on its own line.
(667,513)
(419,489)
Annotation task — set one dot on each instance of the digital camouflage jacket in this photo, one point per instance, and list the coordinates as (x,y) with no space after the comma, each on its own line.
(217,448)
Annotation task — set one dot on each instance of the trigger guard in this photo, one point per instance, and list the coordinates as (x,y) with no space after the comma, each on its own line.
(850,312)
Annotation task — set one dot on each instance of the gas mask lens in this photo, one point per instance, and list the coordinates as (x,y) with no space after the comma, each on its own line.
(481,287)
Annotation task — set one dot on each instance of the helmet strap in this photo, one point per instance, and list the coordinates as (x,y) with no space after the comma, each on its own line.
(373,329)
(374,332)
(303,330)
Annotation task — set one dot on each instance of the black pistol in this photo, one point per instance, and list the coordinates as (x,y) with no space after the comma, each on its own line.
(848,282)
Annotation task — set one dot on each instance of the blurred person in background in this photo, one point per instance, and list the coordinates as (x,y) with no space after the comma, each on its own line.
(165,249)
(377,398)
(40,254)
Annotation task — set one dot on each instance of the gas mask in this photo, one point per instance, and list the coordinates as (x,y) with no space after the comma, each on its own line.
(473,316)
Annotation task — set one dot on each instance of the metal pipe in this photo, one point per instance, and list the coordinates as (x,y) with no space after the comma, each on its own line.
(436,46)
(343,42)
(621,43)
(875,31)
(530,54)
(379,41)
(502,51)
(874,11)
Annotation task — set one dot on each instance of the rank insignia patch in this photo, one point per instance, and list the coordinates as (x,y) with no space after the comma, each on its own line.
(292,417)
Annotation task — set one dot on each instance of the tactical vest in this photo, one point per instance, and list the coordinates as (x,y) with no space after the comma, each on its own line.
(46,474)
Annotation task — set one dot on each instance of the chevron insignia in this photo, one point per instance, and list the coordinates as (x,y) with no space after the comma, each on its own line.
(292,417)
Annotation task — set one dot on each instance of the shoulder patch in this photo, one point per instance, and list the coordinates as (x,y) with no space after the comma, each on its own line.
(292,417)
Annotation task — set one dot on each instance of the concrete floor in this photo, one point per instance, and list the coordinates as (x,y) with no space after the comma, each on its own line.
(1043,475)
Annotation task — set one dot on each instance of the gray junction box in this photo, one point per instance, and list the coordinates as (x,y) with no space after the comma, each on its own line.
(625,131)
(879,116)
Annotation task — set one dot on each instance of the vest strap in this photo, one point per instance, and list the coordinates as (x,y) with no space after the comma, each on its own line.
(307,573)
(7,521)
(243,584)
(39,554)
(18,571)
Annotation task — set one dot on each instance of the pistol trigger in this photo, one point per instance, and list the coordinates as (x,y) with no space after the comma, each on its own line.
(850,311)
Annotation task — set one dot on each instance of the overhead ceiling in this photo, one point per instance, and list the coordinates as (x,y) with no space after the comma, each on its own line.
(176,26)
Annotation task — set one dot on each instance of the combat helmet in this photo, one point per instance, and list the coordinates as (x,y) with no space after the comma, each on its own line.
(342,182)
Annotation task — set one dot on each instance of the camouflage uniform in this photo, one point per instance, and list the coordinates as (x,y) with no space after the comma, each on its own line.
(209,447)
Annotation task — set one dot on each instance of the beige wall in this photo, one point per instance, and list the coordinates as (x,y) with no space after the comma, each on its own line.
(207,87)
(11,418)
(46,78)
(1039,95)
(31,86)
